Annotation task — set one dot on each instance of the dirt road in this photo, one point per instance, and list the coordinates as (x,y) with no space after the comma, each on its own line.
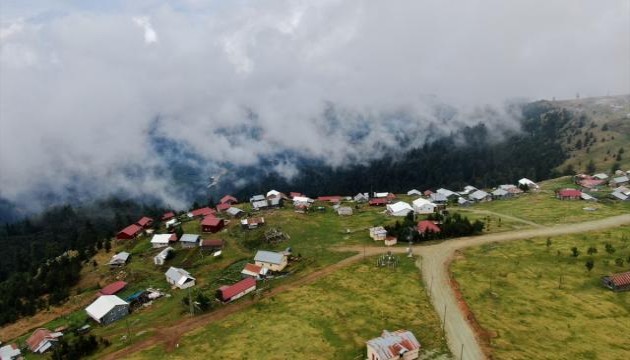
(434,263)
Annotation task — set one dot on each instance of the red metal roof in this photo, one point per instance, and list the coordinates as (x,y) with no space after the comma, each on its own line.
(332,198)
(379,201)
(428,225)
(253,268)
(212,242)
(113,288)
(131,230)
(145,221)
(211,220)
(621,279)
(169,215)
(205,211)
(569,193)
(228,198)
(223,206)
(228,292)
(37,337)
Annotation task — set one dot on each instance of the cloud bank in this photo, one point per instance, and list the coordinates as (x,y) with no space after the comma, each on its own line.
(83,88)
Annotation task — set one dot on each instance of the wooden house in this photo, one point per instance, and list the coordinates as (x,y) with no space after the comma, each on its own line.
(211,244)
(212,224)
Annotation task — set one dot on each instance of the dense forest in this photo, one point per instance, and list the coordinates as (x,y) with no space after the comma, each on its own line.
(43,255)
(475,155)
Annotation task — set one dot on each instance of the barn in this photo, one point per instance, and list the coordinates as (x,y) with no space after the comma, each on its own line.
(238,290)
(107,309)
(130,232)
(212,224)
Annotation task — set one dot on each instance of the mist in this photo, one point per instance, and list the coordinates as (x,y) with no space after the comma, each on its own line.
(85,90)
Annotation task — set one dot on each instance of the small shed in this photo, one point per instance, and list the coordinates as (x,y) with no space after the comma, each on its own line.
(119,259)
(107,309)
(179,278)
(378,233)
(254,271)
(238,290)
(189,240)
(390,240)
(164,255)
(113,288)
(10,352)
(252,223)
(235,212)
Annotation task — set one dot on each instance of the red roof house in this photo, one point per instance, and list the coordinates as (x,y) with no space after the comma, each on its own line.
(379,201)
(233,292)
(617,282)
(41,340)
(130,232)
(113,288)
(168,216)
(212,224)
(201,212)
(211,244)
(223,206)
(569,194)
(145,222)
(332,199)
(428,226)
(228,199)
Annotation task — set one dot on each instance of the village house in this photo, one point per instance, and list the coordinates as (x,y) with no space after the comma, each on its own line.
(119,259)
(463,201)
(260,204)
(130,232)
(379,201)
(499,194)
(331,199)
(344,211)
(390,240)
(252,223)
(164,255)
(162,240)
(438,198)
(189,240)
(361,197)
(113,288)
(273,194)
(619,180)
(601,176)
(41,340)
(569,194)
(423,206)
(378,233)
(617,195)
(302,200)
(397,345)
(10,352)
(528,183)
(235,212)
(446,192)
(426,226)
(274,261)
(236,291)
(145,222)
(586,197)
(467,190)
(617,282)
(276,202)
(168,216)
(400,208)
(169,224)
(479,196)
(211,244)
(222,207)
(211,224)
(380,195)
(201,212)
(254,271)
(179,278)
(107,309)
(228,199)
(413,192)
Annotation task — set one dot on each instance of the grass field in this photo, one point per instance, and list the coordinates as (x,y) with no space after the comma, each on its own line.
(543,208)
(329,319)
(540,302)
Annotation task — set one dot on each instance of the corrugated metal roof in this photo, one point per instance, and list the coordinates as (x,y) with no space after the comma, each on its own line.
(229,291)
(621,279)
(189,238)
(103,305)
(113,288)
(392,345)
(269,257)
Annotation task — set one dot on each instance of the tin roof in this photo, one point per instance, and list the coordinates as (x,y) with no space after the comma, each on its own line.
(269,257)
(394,344)
(113,288)
(228,292)
(104,304)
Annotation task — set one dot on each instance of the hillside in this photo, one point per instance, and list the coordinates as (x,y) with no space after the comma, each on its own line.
(597,132)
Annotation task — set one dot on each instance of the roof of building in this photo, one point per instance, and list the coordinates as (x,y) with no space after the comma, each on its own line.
(252,269)
(233,211)
(113,288)
(393,344)
(478,195)
(9,351)
(223,206)
(420,202)
(178,275)
(189,238)
(253,221)
(414,192)
(526,181)
(260,204)
(398,207)
(269,257)
(379,201)
(164,253)
(205,211)
(445,192)
(500,192)
(144,221)
(257,198)
(122,256)
(461,200)
(168,215)
(211,243)
(227,198)
(38,336)
(330,198)
(104,304)
(273,193)
(438,197)
(601,176)
(428,225)
(586,196)
(620,279)
(570,193)
(131,230)
(211,220)
(163,238)
(621,179)
(619,195)
(229,291)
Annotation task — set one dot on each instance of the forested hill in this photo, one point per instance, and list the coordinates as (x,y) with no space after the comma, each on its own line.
(476,155)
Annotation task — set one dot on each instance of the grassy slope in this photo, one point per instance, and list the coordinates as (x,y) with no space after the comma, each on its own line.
(543,208)
(321,319)
(609,110)
(513,290)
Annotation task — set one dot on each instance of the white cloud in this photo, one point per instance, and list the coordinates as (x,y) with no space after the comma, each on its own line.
(78,94)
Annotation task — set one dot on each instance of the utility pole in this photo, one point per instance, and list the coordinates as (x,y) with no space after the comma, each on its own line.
(190,303)
(444,321)
(461,355)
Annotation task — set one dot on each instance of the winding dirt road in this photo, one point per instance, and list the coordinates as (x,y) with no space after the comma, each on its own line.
(434,262)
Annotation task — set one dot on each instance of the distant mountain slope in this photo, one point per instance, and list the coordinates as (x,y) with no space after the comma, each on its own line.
(597,132)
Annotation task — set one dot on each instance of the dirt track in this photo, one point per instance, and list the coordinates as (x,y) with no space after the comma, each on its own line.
(434,263)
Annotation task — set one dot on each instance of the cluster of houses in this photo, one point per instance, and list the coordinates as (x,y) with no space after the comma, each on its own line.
(134,230)
(618,184)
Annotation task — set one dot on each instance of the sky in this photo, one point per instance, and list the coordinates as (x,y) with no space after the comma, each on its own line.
(84,83)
